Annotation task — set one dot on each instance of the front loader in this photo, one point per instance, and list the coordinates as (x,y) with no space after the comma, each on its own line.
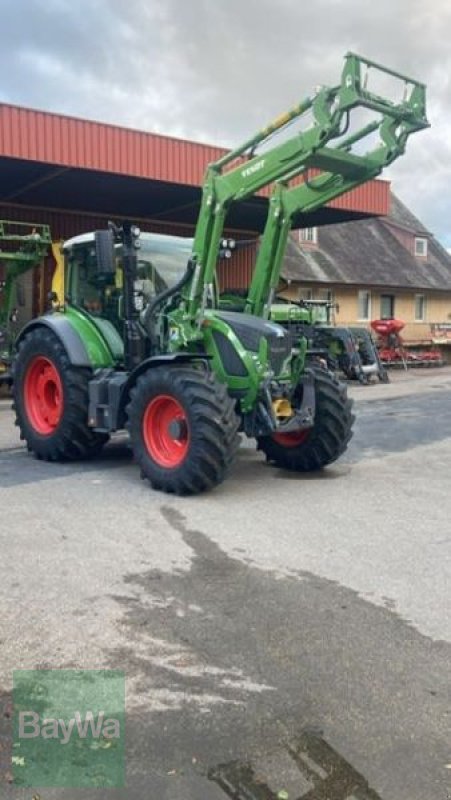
(136,342)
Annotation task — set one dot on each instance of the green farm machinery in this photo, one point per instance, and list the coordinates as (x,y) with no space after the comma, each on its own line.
(350,351)
(139,338)
(22,247)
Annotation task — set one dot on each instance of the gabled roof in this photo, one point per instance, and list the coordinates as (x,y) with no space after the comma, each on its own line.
(367,253)
(403,218)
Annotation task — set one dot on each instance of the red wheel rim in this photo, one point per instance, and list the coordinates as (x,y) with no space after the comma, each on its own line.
(291,439)
(43,395)
(165,431)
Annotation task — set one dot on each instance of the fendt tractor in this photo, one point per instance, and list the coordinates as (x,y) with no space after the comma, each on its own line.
(139,339)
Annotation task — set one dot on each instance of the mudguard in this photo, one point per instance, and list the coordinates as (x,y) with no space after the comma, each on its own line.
(88,342)
(68,336)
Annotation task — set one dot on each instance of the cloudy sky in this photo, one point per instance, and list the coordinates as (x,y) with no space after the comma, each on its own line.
(216,70)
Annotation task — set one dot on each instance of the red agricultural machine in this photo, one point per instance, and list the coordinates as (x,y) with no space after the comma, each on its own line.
(392,351)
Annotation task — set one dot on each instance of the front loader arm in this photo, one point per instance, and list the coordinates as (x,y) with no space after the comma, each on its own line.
(331,109)
(342,173)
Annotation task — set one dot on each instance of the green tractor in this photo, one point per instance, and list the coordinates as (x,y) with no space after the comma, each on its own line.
(139,339)
(350,351)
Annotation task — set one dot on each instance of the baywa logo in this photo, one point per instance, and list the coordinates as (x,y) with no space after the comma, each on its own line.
(69,728)
(30,727)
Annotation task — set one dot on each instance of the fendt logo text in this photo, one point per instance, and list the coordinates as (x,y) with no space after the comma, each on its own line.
(253,168)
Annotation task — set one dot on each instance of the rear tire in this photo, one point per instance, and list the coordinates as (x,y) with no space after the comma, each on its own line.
(51,400)
(183,429)
(310,450)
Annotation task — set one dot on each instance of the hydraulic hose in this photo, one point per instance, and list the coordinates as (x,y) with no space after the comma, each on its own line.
(150,310)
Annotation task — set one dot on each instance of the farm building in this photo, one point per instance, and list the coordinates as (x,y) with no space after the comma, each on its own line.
(75,175)
(365,249)
(381,268)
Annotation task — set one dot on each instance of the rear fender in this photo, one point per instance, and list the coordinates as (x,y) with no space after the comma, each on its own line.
(85,344)
(68,336)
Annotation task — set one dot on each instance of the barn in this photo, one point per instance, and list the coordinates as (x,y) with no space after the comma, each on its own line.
(75,175)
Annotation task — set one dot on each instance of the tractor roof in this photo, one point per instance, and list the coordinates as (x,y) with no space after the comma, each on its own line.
(162,240)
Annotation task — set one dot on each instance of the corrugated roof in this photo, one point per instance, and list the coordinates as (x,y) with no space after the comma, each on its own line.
(366,253)
(67,142)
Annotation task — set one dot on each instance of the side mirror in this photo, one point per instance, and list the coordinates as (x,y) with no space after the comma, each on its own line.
(105,255)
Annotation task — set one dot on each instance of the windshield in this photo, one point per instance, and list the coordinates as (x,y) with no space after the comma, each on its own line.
(162,260)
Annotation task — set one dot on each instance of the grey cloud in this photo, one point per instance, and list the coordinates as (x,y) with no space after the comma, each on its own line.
(216,70)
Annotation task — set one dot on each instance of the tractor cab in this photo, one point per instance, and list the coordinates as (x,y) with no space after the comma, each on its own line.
(161,262)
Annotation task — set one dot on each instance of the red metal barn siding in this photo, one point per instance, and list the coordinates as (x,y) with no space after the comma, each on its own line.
(69,142)
(372,197)
(236,272)
(41,285)
(63,225)
(66,141)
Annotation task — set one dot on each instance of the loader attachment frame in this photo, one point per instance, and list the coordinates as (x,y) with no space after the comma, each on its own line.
(246,170)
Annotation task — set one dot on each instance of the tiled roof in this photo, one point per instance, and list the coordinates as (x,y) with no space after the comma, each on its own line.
(367,253)
(400,215)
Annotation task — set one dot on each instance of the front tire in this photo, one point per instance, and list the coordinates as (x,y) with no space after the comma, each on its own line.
(315,448)
(51,400)
(183,429)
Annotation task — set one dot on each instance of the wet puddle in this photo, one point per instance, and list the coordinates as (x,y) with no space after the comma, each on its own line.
(307,768)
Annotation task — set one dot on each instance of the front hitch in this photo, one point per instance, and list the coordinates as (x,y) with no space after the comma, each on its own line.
(304,416)
(263,421)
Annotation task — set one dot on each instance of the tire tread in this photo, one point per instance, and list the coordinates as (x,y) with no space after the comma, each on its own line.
(72,439)
(329,436)
(214,426)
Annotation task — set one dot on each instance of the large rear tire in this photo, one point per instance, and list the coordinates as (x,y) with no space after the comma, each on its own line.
(312,449)
(51,400)
(183,429)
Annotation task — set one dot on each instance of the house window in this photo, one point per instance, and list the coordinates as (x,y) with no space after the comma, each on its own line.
(326,295)
(364,305)
(420,308)
(309,235)
(305,294)
(387,306)
(421,246)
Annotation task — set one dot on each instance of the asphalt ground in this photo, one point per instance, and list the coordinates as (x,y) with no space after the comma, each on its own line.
(287,631)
